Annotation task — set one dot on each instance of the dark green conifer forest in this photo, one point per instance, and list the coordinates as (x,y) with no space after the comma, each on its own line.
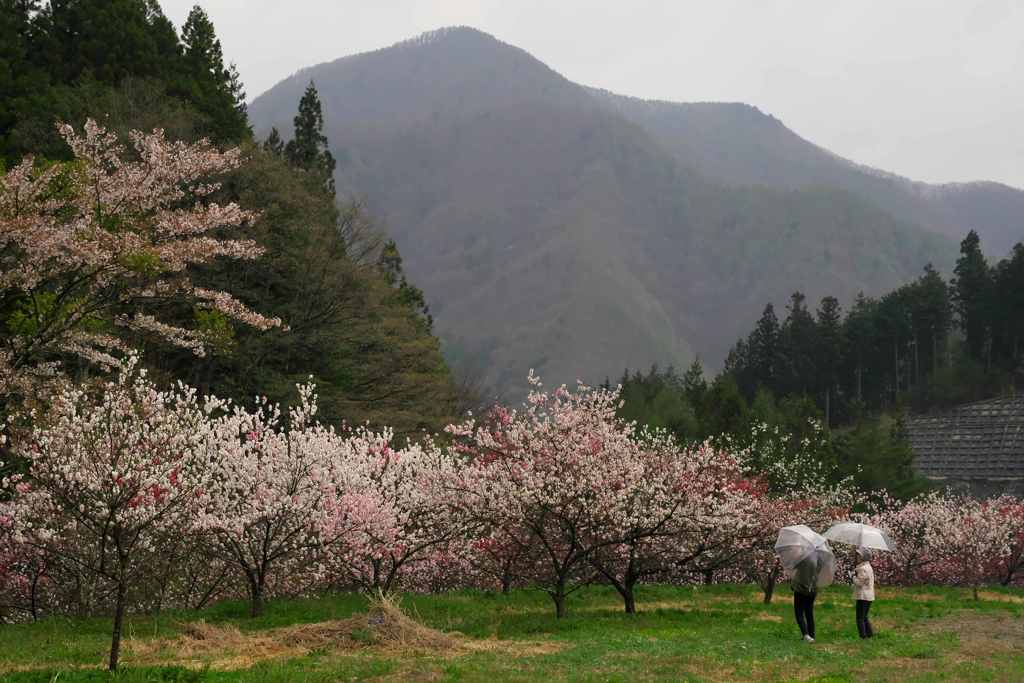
(926,346)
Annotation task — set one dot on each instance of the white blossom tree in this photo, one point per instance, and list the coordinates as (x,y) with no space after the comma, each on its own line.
(107,476)
(273,502)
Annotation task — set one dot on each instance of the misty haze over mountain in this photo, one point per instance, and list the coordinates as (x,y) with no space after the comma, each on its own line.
(576,232)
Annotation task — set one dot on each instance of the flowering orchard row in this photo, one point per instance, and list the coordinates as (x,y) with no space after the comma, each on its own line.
(140,499)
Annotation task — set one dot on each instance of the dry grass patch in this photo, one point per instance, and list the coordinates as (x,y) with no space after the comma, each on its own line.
(921,597)
(981,635)
(765,616)
(1001,597)
(384,628)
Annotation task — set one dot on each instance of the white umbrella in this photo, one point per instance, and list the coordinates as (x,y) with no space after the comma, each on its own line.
(799,542)
(861,535)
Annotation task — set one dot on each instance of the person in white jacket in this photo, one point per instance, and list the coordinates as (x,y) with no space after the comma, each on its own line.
(864,591)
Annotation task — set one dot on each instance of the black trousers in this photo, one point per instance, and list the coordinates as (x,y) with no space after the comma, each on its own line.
(803,605)
(863,625)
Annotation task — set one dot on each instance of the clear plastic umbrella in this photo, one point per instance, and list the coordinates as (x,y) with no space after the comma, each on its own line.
(861,535)
(799,542)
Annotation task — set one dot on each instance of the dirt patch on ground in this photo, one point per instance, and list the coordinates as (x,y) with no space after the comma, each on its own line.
(764,616)
(924,597)
(384,628)
(1001,597)
(981,637)
(979,634)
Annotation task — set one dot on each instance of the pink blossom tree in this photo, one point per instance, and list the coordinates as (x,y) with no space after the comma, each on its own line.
(273,502)
(107,475)
(688,504)
(1011,567)
(970,537)
(90,250)
(502,556)
(23,573)
(557,476)
(406,518)
(913,526)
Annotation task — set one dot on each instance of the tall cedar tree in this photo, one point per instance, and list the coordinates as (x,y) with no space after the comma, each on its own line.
(972,296)
(694,383)
(764,349)
(390,264)
(1009,287)
(274,144)
(931,318)
(797,342)
(308,149)
(19,76)
(829,351)
(214,89)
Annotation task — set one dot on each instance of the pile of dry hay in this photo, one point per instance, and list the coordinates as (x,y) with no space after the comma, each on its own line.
(383,626)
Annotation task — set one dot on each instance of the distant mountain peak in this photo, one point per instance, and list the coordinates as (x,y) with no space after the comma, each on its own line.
(444,33)
(578,232)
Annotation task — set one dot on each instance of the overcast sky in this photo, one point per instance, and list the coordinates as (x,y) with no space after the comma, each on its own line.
(930,89)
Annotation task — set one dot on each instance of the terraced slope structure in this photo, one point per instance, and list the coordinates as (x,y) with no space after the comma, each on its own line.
(978,447)
(576,232)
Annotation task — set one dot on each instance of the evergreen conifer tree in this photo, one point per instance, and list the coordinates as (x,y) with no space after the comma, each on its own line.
(18,76)
(763,349)
(217,91)
(798,342)
(829,350)
(1009,301)
(694,383)
(972,295)
(273,143)
(931,316)
(860,333)
(202,47)
(390,264)
(308,148)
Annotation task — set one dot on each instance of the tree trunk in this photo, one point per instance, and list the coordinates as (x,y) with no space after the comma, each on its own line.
(256,585)
(629,599)
(115,640)
(896,360)
(828,407)
(975,590)
(506,583)
(375,587)
(34,599)
(769,589)
(709,577)
(917,366)
(558,596)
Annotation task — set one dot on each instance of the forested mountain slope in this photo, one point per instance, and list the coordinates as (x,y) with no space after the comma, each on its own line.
(740,145)
(550,231)
(354,328)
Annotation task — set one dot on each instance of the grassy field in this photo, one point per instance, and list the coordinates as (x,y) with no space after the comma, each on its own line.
(692,634)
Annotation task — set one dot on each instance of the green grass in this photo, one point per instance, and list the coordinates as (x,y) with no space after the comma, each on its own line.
(690,634)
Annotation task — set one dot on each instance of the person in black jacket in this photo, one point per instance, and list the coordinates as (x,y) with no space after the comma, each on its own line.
(804,583)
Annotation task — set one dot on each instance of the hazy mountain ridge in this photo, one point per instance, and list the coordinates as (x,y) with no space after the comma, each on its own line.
(738,144)
(549,230)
